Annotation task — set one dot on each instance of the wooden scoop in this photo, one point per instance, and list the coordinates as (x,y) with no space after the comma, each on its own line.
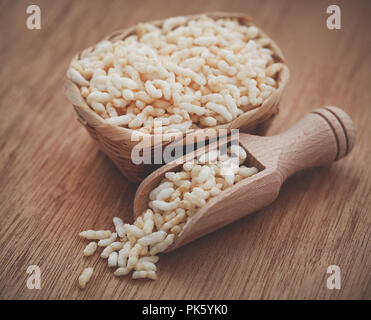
(325,135)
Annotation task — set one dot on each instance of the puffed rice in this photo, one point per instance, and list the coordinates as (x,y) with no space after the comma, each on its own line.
(148,222)
(112,247)
(153,259)
(152,238)
(133,230)
(123,255)
(133,255)
(95,235)
(174,202)
(119,226)
(200,72)
(112,259)
(108,241)
(144,274)
(145,265)
(90,249)
(122,272)
(85,277)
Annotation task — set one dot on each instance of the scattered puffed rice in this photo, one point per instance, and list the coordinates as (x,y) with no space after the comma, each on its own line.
(144,274)
(174,202)
(119,225)
(122,272)
(90,249)
(152,238)
(112,247)
(85,277)
(108,241)
(112,259)
(95,235)
(145,265)
(153,259)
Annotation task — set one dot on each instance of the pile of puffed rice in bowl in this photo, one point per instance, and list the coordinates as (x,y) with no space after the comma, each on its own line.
(174,75)
(134,248)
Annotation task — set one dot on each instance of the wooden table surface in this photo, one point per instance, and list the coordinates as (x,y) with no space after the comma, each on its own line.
(55,182)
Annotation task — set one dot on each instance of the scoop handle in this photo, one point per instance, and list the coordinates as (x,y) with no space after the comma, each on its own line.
(323,136)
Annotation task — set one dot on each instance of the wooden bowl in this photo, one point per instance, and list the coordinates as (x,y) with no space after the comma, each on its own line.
(116,142)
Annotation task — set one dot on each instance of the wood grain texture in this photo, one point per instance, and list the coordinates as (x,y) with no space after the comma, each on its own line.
(55,182)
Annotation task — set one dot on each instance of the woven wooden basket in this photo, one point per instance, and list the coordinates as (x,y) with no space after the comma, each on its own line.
(116,141)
